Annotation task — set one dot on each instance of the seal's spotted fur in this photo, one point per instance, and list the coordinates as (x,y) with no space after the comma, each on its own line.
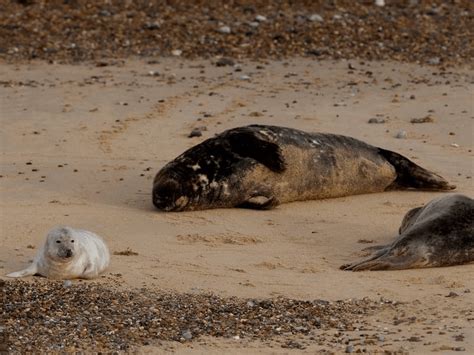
(261,166)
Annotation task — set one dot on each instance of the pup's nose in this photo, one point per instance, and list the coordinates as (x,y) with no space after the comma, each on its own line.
(68,253)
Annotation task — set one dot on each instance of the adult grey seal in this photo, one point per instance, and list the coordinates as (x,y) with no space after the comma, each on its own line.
(261,166)
(438,234)
(68,254)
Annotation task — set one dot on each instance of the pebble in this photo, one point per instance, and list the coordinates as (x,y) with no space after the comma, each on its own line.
(67,283)
(244,77)
(401,135)
(380,3)
(376,120)
(315,18)
(176,52)
(187,334)
(153,73)
(452,294)
(260,18)
(197,132)
(454,145)
(434,61)
(349,348)
(425,119)
(224,61)
(224,29)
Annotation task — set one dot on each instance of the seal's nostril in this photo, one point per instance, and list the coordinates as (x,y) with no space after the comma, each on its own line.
(68,253)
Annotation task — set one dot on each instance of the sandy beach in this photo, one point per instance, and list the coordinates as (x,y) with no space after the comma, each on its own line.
(81,144)
(97,96)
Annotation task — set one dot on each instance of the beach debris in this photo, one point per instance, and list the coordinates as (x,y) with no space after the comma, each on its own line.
(401,134)
(425,119)
(197,132)
(224,29)
(376,120)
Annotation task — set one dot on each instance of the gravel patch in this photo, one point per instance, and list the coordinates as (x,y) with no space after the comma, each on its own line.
(426,32)
(44,316)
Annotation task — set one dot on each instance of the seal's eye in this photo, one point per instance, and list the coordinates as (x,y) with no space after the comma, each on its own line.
(72,241)
(58,241)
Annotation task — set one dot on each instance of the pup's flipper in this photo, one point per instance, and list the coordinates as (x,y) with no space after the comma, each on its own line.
(31,270)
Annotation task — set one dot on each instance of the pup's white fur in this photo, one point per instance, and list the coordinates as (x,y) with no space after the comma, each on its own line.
(68,254)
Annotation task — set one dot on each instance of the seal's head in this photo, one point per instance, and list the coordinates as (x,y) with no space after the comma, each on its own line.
(168,194)
(194,180)
(61,246)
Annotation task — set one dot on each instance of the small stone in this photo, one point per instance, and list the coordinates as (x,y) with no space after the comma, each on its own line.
(152,25)
(186,334)
(104,13)
(412,97)
(425,119)
(349,348)
(452,294)
(197,132)
(454,145)
(236,337)
(315,18)
(255,114)
(224,29)
(434,61)
(254,24)
(67,283)
(459,348)
(224,61)
(376,120)
(176,52)
(244,77)
(153,73)
(260,18)
(401,135)
(380,3)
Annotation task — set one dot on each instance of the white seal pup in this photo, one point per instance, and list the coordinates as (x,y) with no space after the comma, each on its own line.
(438,234)
(261,166)
(69,253)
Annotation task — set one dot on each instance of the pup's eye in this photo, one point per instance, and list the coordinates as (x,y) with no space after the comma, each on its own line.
(72,241)
(58,241)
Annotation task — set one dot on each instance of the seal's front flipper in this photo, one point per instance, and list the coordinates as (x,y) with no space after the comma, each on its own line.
(411,175)
(31,270)
(247,144)
(260,203)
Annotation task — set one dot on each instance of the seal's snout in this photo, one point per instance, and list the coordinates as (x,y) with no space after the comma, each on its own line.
(165,194)
(68,253)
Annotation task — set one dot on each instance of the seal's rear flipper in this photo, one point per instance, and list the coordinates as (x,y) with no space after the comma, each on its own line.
(247,144)
(31,270)
(385,262)
(386,259)
(411,175)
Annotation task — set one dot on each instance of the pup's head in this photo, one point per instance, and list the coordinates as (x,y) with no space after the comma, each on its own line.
(61,245)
